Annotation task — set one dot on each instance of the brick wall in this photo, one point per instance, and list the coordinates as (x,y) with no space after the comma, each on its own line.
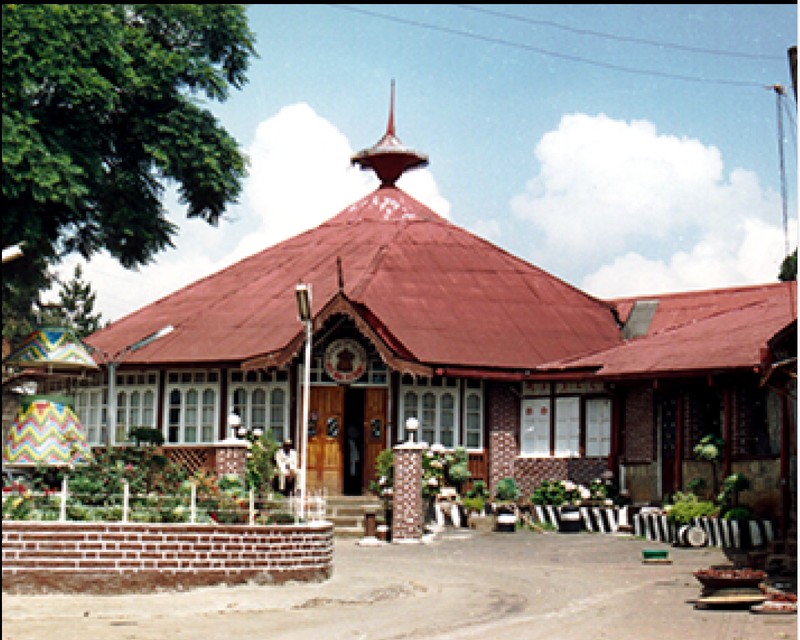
(407,513)
(639,445)
(120,557)
(504,419)
(529,472)
(230,459)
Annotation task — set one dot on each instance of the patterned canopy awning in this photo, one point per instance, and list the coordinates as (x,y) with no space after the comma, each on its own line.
(54,349)
(46,431)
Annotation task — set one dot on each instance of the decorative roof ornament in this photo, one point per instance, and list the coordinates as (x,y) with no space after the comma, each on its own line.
(55,349)
(389,158)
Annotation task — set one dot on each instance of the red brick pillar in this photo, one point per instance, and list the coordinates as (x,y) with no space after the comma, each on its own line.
(407,507)
(230,458)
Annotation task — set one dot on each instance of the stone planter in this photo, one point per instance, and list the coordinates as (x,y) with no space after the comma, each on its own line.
(506,523)
(481,522)
(569,519)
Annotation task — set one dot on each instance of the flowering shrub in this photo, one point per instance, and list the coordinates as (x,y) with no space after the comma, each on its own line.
(21,503)
(158,490)
(440,468)
(443,468)
(433,467)
(561,492)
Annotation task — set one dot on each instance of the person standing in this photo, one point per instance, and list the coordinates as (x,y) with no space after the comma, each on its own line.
(286,462)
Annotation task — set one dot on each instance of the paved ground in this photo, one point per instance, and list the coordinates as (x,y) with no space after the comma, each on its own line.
(463,585)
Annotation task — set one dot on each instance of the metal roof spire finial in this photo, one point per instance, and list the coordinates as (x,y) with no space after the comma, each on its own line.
(390,124)
(389,158)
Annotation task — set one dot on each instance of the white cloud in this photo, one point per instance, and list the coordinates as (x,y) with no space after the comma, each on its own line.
(656,212)
(299,176)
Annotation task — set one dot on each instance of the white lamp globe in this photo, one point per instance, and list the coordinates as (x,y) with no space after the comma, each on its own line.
(412,424)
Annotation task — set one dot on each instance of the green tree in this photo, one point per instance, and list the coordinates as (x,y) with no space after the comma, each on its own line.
(102,108)
(75,308)
(789,268)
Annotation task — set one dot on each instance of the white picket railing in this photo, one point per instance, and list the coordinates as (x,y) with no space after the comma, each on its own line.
(191,508)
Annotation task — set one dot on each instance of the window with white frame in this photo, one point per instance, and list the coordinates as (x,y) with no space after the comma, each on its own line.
(535,436)
(136,398)
(260,399)
(90,405)
(568,426)
(563,424)
(435,404)
(598,426)
(136,401)
(192,406)
(473,418)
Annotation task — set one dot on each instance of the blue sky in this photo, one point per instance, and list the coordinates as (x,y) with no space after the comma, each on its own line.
(626,149)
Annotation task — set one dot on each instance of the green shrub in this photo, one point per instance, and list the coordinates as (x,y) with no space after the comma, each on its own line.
(687,506)
(474,504)
(738,514)
(549,492)
(506,490)
(478,490)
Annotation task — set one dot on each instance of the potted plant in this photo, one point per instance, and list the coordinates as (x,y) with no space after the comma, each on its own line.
(506,493)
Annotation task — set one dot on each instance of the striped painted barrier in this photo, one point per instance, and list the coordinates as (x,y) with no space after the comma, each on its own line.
(720,532)
(654,525)
(594,519)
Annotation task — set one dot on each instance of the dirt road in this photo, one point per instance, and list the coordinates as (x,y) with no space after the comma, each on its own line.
(463,585)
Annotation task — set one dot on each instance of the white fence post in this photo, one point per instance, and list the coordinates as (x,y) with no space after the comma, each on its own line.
(62,513)
(193,505)
(252,507)
(126,498)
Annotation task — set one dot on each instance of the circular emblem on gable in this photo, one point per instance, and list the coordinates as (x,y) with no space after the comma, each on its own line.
(345,360)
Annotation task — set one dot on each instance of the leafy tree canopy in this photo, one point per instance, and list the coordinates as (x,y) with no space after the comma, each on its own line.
(102,106)
(788,270)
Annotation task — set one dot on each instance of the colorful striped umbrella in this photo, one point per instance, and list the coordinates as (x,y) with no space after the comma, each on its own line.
(46,431)
(53,348)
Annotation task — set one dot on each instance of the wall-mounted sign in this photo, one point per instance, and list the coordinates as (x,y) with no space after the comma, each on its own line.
(345,360)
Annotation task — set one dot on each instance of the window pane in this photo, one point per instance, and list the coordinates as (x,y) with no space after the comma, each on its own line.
(174,416)
(190,415)
(209,412)
(258,413)
(447,420)
(598,427)
(535,436)
(473,421)
(136,400)
(567,426)
(428,419)
(148,409)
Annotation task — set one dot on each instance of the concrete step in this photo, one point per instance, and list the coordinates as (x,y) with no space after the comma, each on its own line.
(347,513)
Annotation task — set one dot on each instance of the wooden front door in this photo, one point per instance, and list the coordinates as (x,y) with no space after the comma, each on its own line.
(326,410)
(374,431)
(335,450)
(668,424)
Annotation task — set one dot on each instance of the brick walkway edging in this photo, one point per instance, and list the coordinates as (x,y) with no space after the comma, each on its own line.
(99,557)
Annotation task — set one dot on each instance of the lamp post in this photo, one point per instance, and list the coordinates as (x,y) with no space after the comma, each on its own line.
(412,424)
(112,364)
(303,294)
(234,423)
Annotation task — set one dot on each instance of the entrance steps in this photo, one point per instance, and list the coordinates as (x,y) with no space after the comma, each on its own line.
(348,513)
